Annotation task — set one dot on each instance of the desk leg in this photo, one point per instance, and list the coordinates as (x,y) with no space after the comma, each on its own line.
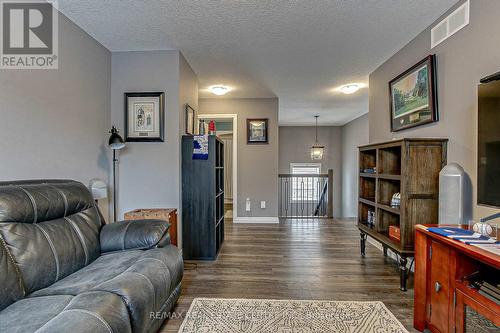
(404,273)
(385,251)
(363,243)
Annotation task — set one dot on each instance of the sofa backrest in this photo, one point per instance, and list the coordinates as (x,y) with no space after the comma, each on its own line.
(49,229)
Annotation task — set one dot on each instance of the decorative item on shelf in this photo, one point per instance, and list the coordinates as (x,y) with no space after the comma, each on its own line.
(144,117)
(317,149)
(201,127)
(257,131)
(396,200)
(115,142)
(370,170)
(200,147)
(395,233)
(189,120)
(371,218)
(413,96)
(211,128)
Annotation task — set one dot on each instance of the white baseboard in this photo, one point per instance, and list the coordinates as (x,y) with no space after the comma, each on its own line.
(256,220)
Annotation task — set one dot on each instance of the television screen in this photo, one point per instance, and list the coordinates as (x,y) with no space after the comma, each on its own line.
(488,168)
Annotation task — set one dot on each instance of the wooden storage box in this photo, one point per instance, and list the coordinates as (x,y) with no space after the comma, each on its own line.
(167,214)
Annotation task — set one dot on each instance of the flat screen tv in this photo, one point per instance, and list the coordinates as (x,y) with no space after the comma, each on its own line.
(488,164)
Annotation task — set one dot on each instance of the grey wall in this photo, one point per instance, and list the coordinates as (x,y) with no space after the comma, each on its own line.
(55,123)
(462,60)
(149,172)
(188,94)
(257,164)
(354,134)
(295,147)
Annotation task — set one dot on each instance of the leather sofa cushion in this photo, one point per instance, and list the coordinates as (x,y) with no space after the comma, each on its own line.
(49,251)
(11,286)
(143,279)
(39,201)
(95,312)
(134,234)
(29,314)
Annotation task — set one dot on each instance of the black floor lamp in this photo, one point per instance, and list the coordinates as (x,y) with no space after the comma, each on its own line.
(115,143)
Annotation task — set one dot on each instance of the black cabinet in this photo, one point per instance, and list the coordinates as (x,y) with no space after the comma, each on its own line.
(202,200)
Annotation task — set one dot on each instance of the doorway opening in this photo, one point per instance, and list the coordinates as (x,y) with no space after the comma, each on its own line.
(227,130)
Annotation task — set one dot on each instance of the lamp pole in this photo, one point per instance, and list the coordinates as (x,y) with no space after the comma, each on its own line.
(114,185)
(115,143)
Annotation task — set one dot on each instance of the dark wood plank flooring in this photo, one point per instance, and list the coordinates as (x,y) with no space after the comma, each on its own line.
(311,259)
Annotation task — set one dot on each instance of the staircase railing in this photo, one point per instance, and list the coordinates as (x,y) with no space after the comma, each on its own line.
(305,196)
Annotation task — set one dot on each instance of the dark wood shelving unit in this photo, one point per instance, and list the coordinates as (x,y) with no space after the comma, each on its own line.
(202,200)
(407,166)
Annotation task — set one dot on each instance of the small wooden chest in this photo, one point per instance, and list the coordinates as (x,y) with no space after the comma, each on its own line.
(168,214)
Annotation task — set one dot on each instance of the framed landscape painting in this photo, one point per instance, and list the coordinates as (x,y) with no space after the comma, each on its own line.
(413,96)
(144,117)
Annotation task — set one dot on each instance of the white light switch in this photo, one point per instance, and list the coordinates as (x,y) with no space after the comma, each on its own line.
(247,207)
(263,204)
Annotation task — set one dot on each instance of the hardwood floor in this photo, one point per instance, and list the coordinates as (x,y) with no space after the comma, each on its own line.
(311,259)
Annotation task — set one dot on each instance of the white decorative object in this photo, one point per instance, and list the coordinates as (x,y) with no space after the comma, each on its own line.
(455,195)
(483,228)
(396,200)
(98,188)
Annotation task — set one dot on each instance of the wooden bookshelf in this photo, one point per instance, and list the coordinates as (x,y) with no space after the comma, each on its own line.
(407,166)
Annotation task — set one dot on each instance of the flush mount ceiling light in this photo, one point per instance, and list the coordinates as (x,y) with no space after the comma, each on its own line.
(317,149)
(350,88)
(219,90)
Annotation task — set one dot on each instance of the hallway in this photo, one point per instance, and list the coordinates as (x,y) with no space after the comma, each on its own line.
(310,259)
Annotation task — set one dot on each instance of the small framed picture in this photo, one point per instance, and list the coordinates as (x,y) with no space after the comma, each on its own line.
(414,96)
(189,120)
(257,131)
(144,117)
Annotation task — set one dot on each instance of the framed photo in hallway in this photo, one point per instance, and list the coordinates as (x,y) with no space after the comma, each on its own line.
(144,117)
(257,131)
(413,96)
(189,120)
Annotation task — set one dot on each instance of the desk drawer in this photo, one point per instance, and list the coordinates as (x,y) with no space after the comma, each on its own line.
(439,286)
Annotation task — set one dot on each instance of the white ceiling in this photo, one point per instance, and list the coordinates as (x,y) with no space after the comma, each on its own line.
(297,50)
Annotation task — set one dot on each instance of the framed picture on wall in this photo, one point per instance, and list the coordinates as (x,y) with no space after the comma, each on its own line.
(257,131)
(189,120)
(144,117)
(413,96)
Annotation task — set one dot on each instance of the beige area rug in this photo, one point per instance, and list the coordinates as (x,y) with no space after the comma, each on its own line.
(285,316)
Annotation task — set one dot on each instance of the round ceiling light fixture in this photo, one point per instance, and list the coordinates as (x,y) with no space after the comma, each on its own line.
(219,90)
(350,88)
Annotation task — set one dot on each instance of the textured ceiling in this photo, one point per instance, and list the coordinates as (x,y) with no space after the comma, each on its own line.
(297,50)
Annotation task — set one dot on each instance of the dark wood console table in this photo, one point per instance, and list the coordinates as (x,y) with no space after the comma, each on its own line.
(441,293)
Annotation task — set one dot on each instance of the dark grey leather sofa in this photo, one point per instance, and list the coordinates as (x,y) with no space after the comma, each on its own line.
(61,270)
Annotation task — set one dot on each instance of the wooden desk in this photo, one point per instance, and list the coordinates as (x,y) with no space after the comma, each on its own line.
(167,214)
(441,294)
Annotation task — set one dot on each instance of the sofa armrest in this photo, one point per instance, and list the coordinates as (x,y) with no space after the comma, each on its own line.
(134,234)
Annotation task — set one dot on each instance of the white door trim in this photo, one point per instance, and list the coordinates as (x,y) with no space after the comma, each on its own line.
(235,153)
